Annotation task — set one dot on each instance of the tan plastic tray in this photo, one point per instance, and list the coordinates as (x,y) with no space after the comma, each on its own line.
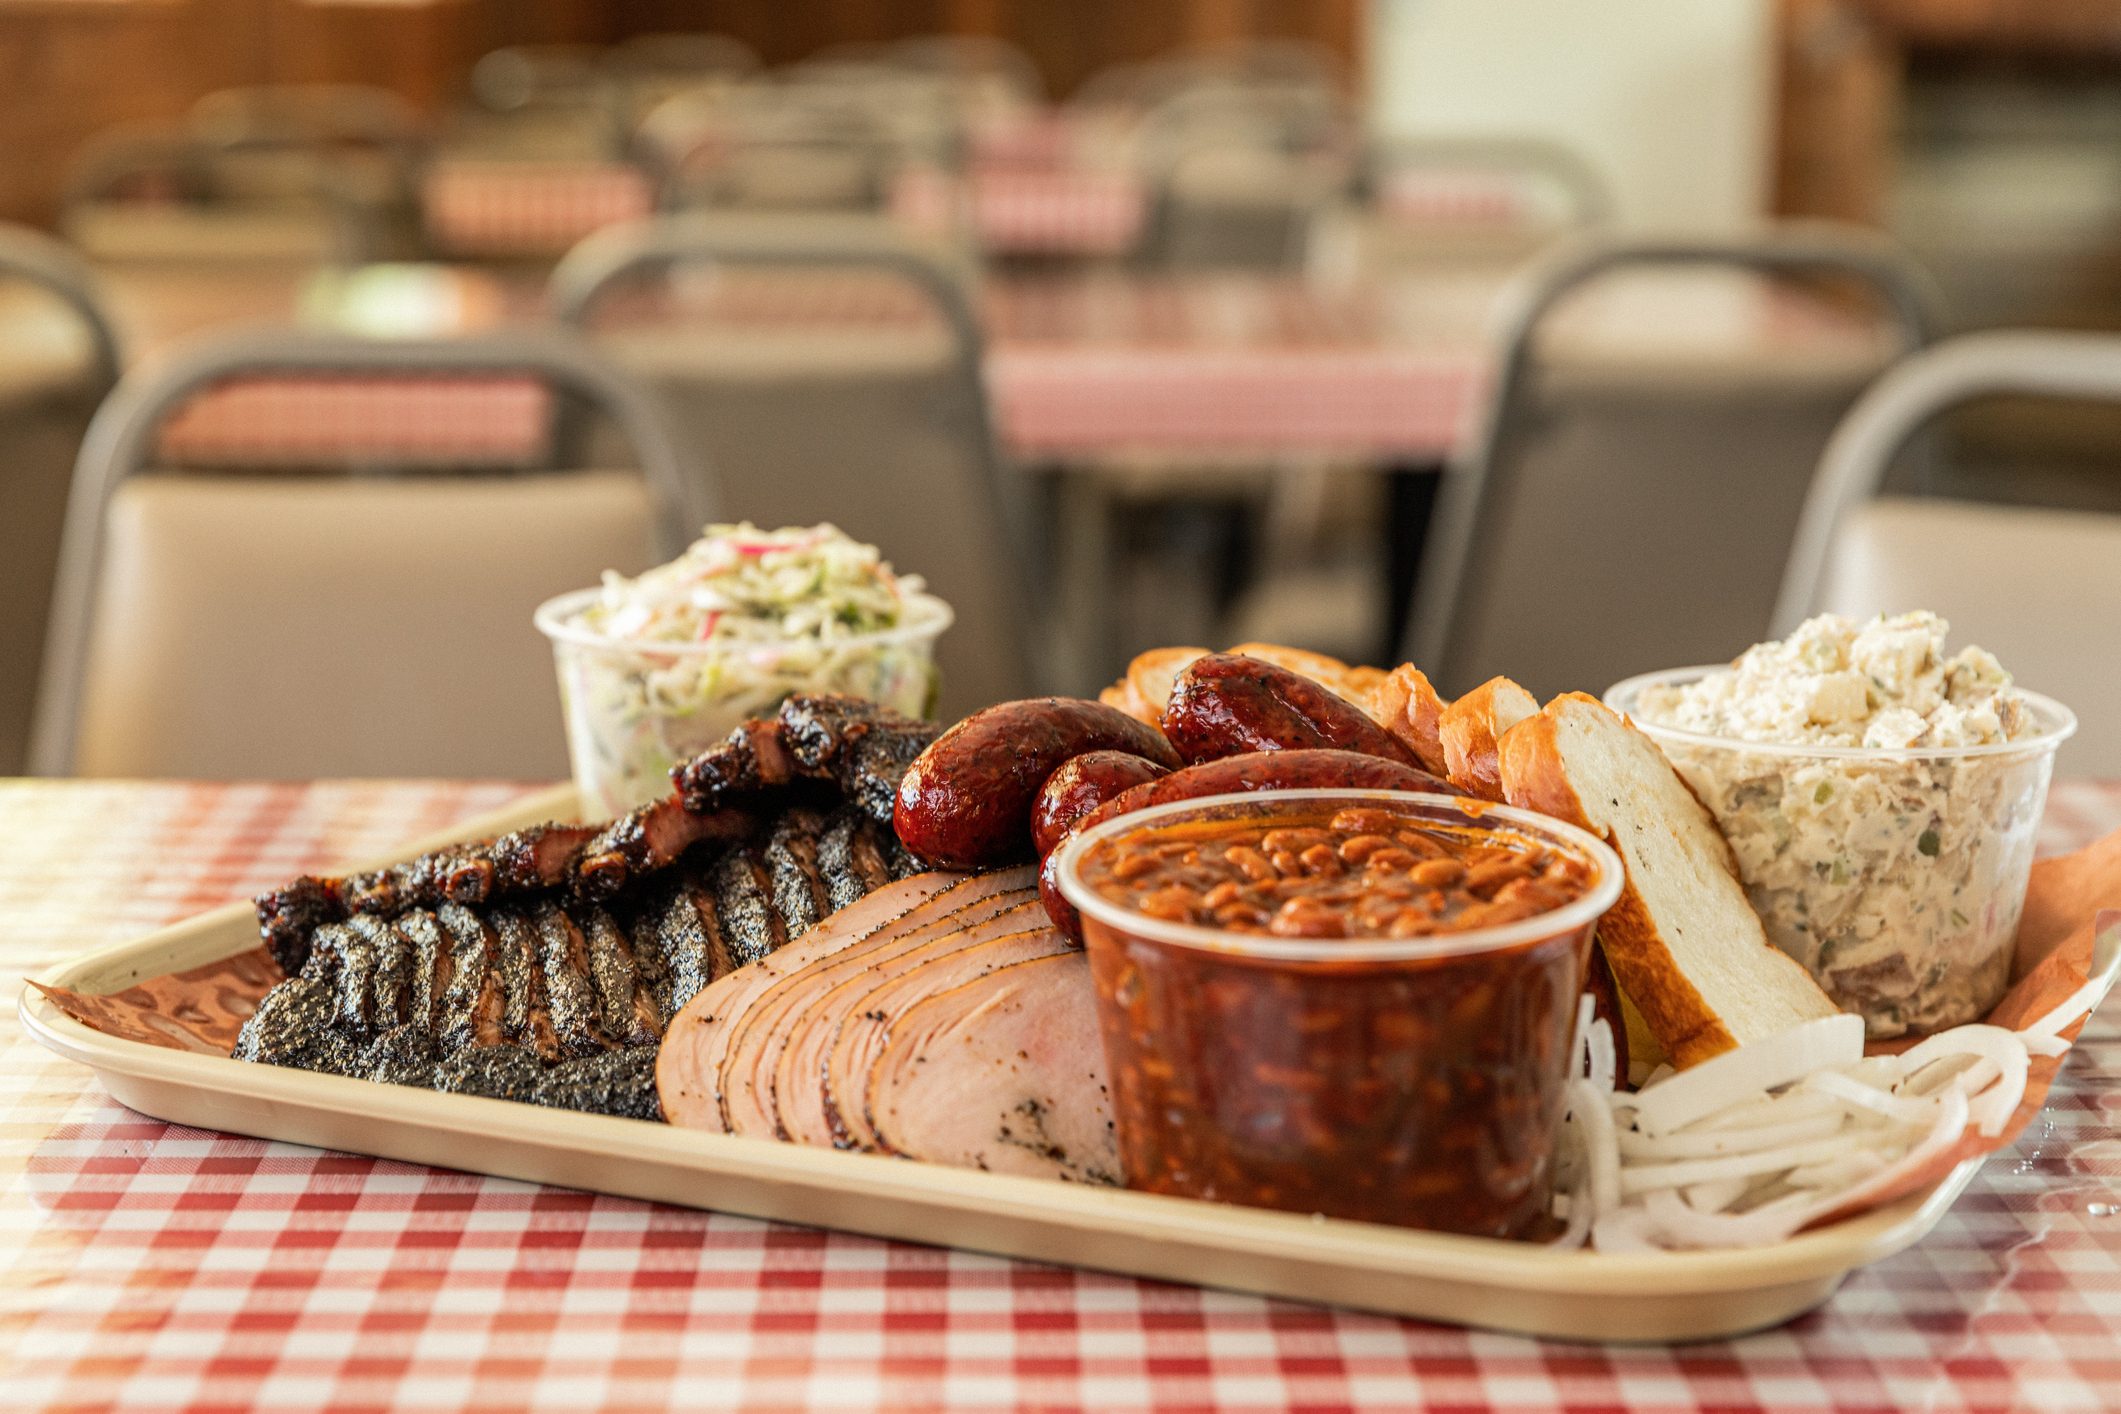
(1466,1281)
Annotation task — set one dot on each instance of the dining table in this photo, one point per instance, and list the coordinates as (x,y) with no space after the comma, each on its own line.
(153,1265)
(1102,380)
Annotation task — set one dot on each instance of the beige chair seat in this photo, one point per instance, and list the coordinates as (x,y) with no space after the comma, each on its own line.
(131,231)
(2038,588)
(277,628)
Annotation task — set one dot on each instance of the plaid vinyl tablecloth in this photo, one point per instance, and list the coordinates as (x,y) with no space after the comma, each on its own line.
(156,1266)
(1009,209)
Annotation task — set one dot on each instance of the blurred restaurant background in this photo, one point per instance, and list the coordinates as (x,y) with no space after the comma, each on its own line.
(1523,336)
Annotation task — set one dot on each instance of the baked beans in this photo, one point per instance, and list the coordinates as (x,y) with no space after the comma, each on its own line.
(1421,1090)
(1352,872)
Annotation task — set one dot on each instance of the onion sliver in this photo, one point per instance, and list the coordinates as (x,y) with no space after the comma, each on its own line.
(1782,1108)
(1855,1092)
(1766,1064)
(1624,1230)
(1691,1171)
(1990,1108)
(1682,1226)
(1593,1110)
(2078,1003)
(1949,1128)
(1712,1143)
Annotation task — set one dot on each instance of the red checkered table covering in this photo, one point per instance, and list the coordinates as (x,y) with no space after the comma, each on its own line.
(528,208)
(1029,210)
(1108,365)
(150,1265)
(283,419)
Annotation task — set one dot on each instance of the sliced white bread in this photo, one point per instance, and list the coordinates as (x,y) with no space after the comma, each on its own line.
(1407,706)
(1471,729)
(1146,688)
(1685,946)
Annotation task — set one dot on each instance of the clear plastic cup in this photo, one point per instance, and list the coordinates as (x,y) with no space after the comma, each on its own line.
(1414,1081)
(1895,876)
(634,710)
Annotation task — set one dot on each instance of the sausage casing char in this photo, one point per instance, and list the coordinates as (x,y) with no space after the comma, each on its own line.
(1079,786)
(1312,769)
(966,801)
(1225,704)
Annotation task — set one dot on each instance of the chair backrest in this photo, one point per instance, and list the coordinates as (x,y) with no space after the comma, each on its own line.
(887,436)
(167,195)
(49,388)
(1614,517)
(1486,197)
(1237,174)
(288,624)
(2036,587)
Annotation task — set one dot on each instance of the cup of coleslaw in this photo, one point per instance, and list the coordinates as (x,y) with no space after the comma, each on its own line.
(1895,874)
(656,669)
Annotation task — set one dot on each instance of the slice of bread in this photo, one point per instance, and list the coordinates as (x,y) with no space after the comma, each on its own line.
(1407,706)
(1685,946)
(1146,688)
(1471,728)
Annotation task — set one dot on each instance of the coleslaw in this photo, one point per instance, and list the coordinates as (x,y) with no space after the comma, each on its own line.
(657,668)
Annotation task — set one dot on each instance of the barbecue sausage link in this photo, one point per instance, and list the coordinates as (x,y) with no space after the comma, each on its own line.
(966,801)
(1081,785)
(1225,704)
(1302,769)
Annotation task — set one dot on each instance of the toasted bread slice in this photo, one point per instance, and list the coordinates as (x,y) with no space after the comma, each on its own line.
(1146,688)
(1685,946)
(1471,728)
(1407,706)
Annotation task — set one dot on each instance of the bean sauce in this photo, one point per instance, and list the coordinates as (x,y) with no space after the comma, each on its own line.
(1422,1091)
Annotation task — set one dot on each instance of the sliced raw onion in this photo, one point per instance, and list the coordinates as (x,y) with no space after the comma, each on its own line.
(1643,1178)
(2080,1003)
(1841,1086)
(1713,1143)
(1767,1064)
(1683,1226)
(1990,1104)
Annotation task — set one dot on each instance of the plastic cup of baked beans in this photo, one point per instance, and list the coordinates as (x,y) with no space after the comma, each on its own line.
(1353,1003)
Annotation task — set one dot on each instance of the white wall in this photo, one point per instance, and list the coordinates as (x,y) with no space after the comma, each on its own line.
(1669,99)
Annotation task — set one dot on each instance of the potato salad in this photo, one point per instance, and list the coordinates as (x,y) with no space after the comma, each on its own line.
(1880,808)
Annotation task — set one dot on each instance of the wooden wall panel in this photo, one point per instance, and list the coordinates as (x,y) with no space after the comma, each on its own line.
(68,70)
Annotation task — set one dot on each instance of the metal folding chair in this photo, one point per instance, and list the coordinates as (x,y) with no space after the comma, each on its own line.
(1615,518)
(165,195)
(58,358)
(886,436)
(335,615)
(2040,588)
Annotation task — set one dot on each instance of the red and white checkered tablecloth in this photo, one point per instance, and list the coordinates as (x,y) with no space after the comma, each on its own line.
(291,419)
(1084,367)
(1029,210)
(149,1265)
(527,208)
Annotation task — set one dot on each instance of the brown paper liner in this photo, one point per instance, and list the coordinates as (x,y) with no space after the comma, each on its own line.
(200,1009)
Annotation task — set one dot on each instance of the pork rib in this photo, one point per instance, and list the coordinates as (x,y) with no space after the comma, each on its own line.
(861,748)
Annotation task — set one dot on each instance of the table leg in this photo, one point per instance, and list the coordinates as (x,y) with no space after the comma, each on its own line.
(1410,499)
(1083,586)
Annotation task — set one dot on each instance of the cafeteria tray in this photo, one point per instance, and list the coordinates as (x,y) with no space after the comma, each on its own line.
(1510,1286)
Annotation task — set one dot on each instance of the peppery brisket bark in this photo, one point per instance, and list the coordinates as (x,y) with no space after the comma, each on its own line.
(543,965)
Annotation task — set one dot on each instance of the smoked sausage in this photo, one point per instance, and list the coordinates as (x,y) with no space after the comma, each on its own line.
(1225,704)
(1079,787)
(1303,769)
(965,803)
